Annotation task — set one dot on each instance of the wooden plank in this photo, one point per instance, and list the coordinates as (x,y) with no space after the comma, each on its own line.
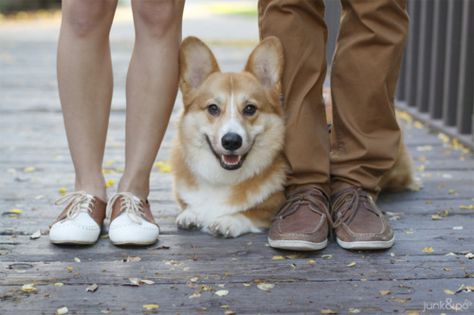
(29,107)
(310,298)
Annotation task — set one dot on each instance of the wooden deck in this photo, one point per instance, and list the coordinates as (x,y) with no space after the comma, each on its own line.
(194,273)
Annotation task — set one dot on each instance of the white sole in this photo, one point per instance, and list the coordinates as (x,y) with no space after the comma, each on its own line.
(297,245)
(366,244)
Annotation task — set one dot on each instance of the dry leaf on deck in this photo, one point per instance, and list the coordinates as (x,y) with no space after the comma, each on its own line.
(132,259)
(221,292)
(151,307)
(29,288)
(265,286)
(62,310)
(278,257)
(428,250)
(35,235)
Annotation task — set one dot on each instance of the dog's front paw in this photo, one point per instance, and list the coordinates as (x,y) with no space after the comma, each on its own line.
(232,226)
(187,220)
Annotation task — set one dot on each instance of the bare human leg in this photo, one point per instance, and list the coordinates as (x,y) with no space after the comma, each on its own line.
(152,83)
(84,72)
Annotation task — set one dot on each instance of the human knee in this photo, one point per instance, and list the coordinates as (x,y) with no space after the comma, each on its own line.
(158,17)
(87,16)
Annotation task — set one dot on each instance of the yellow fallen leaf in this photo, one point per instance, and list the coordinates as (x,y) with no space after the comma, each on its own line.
(29,288)
(278,257)
(164,167)
(443,137)
(428,250)
(412,312)
(77,259)
(385,292)
(109,183)
(418,125)
(150,307)
(449,292)
(62,190)
(58,284)
(62,310)
(468,207)
(326,256)
(328,311)
(15,211)
(353,310)
(351,264)
(29,169)
(436,217)
(69,268)
(312,262)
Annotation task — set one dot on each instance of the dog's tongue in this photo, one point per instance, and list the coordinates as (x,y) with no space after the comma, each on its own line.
(231,159)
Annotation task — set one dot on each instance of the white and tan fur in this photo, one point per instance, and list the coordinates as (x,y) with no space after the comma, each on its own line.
(229,202)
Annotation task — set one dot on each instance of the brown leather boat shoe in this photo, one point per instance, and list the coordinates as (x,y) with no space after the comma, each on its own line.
(358,223)
(302,222)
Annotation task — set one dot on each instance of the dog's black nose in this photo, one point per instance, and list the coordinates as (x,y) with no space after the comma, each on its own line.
(231,141)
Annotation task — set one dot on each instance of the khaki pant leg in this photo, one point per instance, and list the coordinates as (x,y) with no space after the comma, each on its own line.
(364,75)
(300,26)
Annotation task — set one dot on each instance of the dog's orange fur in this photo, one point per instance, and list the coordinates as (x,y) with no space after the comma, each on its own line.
(201,81)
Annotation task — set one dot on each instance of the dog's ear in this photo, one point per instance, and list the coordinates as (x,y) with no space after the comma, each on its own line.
(266,62)
(196,62)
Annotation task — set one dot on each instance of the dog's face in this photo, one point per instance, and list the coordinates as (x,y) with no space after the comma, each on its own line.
(233,117)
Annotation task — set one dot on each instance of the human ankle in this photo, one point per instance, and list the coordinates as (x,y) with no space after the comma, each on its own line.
(138,187)
(95,188)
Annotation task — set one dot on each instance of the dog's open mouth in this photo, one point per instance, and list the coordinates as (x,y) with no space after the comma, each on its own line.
(229,162)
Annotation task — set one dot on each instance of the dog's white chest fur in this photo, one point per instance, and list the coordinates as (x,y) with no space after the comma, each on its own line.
(208,208)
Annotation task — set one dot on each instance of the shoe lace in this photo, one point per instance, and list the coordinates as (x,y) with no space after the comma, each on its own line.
(347,203)
(76,202)
(312,197)
(129,204)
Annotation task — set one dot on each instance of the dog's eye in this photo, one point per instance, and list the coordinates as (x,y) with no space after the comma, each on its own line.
(250,110)
(213,109)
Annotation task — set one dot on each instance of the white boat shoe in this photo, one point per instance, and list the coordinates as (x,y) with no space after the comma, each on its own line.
(131,221)
(81,220)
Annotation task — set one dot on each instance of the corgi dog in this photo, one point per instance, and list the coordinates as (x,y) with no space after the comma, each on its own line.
(227,162)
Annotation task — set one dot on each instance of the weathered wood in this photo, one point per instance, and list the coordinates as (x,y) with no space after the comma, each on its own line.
(32,135)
